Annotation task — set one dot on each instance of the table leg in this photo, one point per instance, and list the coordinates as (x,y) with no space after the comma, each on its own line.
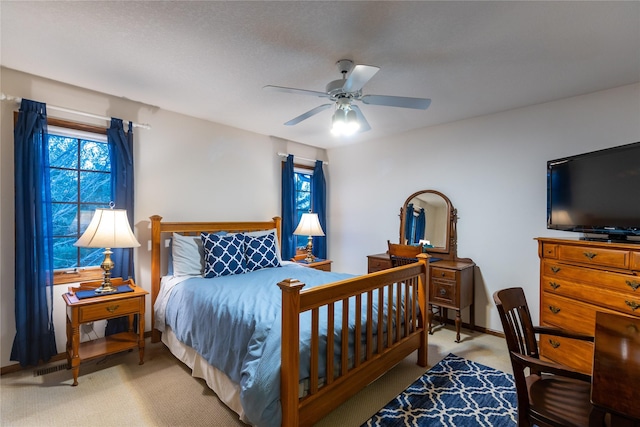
(141,336)
(75,355)
(458,323)
(430,314)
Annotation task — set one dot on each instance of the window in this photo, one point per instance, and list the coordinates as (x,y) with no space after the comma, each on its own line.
(302,178)
(80,171)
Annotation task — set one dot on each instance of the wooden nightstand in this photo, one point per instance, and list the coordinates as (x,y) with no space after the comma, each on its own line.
(318,264)
(103,307)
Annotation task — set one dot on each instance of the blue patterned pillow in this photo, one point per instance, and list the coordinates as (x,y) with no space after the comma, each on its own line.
(261,252)
(223,255)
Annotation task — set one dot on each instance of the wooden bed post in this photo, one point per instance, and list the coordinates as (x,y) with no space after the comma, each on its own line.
(423,301)
(290,364)
(155,271)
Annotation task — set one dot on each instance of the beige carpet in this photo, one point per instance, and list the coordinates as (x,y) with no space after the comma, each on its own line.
(116,391)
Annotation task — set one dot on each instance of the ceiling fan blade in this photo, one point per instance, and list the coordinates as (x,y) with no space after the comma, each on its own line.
(364,124)
(359,76)
(296,91)
(397,101)
(308,114)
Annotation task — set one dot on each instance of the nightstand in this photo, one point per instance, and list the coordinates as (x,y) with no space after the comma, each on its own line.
(103,307)
(318,264)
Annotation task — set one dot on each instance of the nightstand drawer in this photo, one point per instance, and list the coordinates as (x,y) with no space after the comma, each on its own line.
(108,309)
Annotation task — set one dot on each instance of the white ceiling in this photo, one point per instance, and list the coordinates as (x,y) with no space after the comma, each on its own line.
(211,59)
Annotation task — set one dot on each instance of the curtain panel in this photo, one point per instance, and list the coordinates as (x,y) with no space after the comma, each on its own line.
(319,206)
(35,336)
(288,225)
(408,224)
(122,194)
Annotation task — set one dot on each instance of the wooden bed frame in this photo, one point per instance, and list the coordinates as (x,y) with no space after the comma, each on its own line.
(376,356)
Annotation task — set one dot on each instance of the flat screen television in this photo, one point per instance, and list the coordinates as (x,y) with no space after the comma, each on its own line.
(596,193)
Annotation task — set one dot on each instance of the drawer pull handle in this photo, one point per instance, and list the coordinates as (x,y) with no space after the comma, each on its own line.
(634,285)
(112,308)
(554,343)
(554,285)
(634,305)
(590,255)
(443,274)
(555,269)
(554,309)
(443,291)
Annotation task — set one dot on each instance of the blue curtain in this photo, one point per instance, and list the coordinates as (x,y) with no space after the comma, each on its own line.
(408,224)
(35,336)
(288,246)
(421,223)
(122,194)
(319,206)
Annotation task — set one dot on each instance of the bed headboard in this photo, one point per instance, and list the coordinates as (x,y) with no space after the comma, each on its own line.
(162,230)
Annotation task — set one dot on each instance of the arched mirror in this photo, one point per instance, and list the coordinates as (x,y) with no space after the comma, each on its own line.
(428,218)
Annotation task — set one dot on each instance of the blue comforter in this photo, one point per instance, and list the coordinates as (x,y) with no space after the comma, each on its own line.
(234,322)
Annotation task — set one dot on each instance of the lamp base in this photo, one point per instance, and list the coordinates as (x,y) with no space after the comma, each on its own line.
(310,257)
(106,288)
(107,265)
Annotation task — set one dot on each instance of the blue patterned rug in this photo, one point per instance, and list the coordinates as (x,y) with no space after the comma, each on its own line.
(455,392)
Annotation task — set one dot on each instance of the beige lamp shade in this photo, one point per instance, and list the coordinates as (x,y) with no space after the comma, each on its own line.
(109,228)
(309,225)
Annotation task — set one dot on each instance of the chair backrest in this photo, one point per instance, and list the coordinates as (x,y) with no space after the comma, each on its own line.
(403,254)
(520,336)
(516,321)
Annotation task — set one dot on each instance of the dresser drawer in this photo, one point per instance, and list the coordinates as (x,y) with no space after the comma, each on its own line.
(601,298)
(443,273)
(549,250)
(570,352)
(594,256)
(377,264)
(443,291)
(615,281)
(108,309)
(567,314)
(635,261)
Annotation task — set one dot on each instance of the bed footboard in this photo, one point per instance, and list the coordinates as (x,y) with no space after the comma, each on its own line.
(389,335)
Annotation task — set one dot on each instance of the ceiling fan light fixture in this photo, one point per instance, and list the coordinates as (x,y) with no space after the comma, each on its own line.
(338,122)
(344,122)
(352,123)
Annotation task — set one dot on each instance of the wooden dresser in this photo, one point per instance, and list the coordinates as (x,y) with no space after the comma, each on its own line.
(577,279)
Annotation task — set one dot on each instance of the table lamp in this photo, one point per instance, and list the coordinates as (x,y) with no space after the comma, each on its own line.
(109,228)
(309,226)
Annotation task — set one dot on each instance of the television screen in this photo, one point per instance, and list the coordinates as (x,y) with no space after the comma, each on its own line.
(597,192)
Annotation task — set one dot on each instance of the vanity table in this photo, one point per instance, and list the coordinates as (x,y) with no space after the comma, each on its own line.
(451,282)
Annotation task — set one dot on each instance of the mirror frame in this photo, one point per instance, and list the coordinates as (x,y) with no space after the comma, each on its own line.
(451,240)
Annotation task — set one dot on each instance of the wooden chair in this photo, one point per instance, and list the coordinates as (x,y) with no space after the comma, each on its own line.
(551,394)
(403,254)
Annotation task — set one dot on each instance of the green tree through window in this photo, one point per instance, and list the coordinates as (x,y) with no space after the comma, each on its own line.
(80,183)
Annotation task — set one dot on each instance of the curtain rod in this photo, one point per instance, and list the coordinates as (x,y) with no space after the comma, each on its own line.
(301,158)
(17,99)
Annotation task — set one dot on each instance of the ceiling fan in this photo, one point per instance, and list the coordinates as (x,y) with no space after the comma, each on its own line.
(347,117)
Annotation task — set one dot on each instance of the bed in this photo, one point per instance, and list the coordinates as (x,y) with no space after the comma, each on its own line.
(323,336)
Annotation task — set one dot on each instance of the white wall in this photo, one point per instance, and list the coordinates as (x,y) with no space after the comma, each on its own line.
(185,169)
(493,168)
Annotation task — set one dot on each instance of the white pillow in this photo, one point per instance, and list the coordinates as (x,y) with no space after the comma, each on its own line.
(188,255)
(264,233)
